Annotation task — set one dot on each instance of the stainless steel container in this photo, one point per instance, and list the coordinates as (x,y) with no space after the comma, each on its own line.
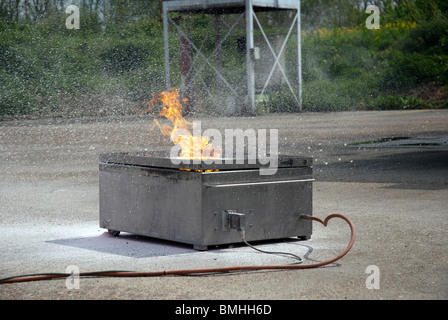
(151,196)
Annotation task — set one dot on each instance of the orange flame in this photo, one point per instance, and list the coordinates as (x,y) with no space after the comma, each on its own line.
(192,147)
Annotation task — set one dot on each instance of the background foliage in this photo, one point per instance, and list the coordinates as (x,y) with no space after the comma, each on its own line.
(113,63)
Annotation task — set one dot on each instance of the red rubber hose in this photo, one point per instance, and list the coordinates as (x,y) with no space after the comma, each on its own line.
(200,271)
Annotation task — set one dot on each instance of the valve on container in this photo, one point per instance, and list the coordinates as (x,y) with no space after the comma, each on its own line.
(233,220)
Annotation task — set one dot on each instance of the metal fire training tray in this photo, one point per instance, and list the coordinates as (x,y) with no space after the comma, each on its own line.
(162,160)
(204,204)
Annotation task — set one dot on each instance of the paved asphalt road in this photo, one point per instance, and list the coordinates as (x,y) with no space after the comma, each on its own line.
(394,190)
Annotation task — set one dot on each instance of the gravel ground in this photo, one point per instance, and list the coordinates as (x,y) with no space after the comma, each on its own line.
(395,192)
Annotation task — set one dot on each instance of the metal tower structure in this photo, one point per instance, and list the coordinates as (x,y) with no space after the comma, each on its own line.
(246,12)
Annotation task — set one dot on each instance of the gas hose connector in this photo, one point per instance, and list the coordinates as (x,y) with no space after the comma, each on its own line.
(233,220)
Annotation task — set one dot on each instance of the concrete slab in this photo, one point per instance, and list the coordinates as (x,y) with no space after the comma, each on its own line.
(396,198)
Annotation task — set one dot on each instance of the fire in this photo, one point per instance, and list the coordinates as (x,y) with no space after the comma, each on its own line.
(215,170)
(191,147)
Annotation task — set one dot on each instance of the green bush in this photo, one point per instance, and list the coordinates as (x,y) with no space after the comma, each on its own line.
(430,37)
(393,102)
(406,70)
(419,56)
(123,57)
(338,95)
(13,63)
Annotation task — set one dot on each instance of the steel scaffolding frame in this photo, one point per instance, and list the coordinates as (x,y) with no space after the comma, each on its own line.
(247,9)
